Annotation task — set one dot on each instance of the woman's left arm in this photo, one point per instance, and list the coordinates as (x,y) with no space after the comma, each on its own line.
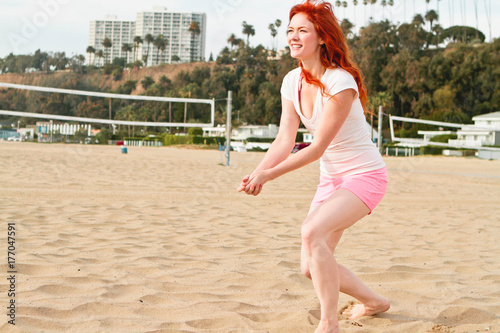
(335,113)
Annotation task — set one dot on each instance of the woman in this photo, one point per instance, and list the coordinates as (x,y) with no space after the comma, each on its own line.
(326,93)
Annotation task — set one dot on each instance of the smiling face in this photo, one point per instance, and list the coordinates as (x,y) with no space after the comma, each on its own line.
(303,40)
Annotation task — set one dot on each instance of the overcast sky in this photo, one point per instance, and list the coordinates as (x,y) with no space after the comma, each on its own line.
(63,25)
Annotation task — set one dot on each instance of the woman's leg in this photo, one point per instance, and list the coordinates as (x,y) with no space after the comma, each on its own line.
(371,302)
(321,233)
(350,284)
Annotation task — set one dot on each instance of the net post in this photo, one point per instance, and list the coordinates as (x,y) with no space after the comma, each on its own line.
(228,125)
(391,124)
(379,140)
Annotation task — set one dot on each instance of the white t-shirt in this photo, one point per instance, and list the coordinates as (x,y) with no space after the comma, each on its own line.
(352,150)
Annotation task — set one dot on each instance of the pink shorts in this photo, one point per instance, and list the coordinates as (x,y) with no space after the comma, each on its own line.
(369,186)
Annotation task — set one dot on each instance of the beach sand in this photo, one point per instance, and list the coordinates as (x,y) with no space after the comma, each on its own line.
(158,240)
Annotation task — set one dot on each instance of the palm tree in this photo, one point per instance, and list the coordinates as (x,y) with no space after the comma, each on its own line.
(391,4)
(430,17)
(248,30)
(107,45)
(277,23)
(488,17)
(149,39)
(344,5)
(231,40)
(384,4)
(126,48)
(91,51)
(365,2)
(427,5)
(438,30)
(437,4)
(127,113)
(100,55)
(137,40)
(81,59)
(451,10)
(160,43)
(477,22)
(195,30)
(355,3)
(418,20)
(273,34)
(372,2)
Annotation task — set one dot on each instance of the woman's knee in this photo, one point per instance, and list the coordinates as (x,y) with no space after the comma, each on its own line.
(312,239)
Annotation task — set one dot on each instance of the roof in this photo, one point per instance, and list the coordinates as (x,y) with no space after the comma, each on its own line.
(488,116)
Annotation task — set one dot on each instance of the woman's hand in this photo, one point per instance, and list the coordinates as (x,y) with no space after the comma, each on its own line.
(252,184)
(244,183)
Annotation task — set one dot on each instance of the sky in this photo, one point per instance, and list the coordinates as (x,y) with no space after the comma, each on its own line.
(63,25)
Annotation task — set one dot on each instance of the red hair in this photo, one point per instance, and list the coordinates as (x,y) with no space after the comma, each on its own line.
(334,51)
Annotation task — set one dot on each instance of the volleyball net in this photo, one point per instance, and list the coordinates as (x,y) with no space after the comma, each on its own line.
(210,102)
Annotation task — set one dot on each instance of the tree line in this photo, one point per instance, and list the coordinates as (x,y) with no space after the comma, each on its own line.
(413,69)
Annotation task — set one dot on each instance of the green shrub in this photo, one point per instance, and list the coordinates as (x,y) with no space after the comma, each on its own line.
(104,136)
(117,74)
(208,140)
(195,131)
(265,140)
(171,139)
(432,150)
(444,138)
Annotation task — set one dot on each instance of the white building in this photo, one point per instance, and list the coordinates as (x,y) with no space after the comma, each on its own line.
(242,133)
(484,132)
(175,29)
(255,131)
(174,26)
(47,128)
(119,32)
(219,131)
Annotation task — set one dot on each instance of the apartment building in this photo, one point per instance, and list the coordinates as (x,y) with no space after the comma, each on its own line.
(181,45)
(118,31)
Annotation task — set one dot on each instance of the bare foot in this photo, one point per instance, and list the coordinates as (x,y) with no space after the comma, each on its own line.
(327,328)
(361,310)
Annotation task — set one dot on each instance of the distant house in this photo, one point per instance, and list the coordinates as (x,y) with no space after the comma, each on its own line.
(243,132)
(255,131)
(484,132)
(219,131)
(44,129)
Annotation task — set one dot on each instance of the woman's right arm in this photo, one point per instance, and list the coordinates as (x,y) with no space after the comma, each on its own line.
(285,140)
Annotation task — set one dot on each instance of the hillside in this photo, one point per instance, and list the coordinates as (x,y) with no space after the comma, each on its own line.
(105,82)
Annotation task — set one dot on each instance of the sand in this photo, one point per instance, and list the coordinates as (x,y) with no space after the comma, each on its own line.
(158,240)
